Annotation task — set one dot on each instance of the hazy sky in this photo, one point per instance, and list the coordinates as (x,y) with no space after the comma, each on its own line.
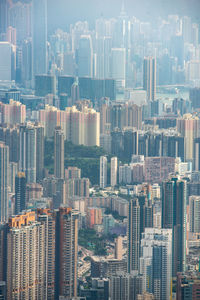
(63,12)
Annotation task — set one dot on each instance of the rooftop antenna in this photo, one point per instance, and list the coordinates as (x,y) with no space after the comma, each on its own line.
(123,12)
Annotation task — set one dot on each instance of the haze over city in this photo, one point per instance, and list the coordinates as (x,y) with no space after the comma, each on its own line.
(99,150)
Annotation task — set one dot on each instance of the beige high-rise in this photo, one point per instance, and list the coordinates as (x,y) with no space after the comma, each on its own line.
(58,153)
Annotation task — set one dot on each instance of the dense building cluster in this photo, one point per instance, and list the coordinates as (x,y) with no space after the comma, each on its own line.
(99,157)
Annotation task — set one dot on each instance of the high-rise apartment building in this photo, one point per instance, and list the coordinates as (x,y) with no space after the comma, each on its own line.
(149,77)
(188,286)
(194,214)
(174,217)
(10,136)
(133,237)
(50,119)
(27,161)
(67,252)
(119,248)
(39,151)
(82,126)
(48,219)
(113,172)
(39,17)
(156,262)
(124,286)
(103,172)
(4,181)
(38,256)
(13,113)
(188,126)
(58,153)
(25,259)
(20,193)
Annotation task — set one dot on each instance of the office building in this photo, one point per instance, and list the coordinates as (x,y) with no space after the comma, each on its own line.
(20,193)
(65,84)
(3,18)
(103,172)
(4,181)
(85,56)
(156,262)
(39,17)
(174,194)
(45,85)
(58,153)
(19,18)
(149,78)
(113,172)
(6,66)
(194,97)
(118,66)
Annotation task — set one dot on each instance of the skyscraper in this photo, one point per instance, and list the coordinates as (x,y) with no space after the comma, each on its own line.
(67,252)
(85,56)
(48,218)
(125,286)
(113,172)
(5,61)
(39,151)
(149,77)
(133,235)
(25,258)
(188,126)
(27,162)
(3,18)
(194,214)
(39,37)
(20,192)
(4,171)
(38,258)
(103,172)
(58,153)
(156,262)
(174,216)
(118,66)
